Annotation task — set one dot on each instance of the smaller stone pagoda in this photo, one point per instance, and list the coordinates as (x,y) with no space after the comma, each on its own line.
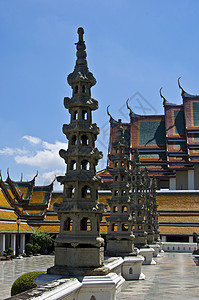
(120,238)
(138,202)
(155,221)
(148,206)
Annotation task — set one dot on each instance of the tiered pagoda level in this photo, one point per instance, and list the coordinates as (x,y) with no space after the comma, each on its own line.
(79,243)
(120,236)
(138,203)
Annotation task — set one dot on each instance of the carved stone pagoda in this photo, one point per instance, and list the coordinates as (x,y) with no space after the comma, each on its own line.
(120,238)
(79,244)
(138,202)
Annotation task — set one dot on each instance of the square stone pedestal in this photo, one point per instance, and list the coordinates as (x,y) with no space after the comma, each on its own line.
(147,253)
(132,267)
(156,248)
(79,257)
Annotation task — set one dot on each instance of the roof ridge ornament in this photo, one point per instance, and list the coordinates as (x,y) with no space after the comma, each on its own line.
(111,120)
(180,86)
(128,107)
(164,99)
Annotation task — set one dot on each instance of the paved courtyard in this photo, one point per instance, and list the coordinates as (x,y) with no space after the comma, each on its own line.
(174,277)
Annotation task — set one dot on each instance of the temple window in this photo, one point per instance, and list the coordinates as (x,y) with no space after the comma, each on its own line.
(149,227)
(116,193)
(139,227)
(133,227)
(133,213)
(117,150)
(73,165)
(116,164)
(122,150)
(76,89)
(114,227)
(75,115)
(70,192)
(85,224)
(84,115)
(123,193)
(83,89)
(122,164)
(123,178)
(74,140)
(124,209)
(85,165)
(139,201)
(116,178)
(125,227)
(68,224)
(139,214)
(133,178)
(86,192)
(84,140)
(115,209)
(130,271)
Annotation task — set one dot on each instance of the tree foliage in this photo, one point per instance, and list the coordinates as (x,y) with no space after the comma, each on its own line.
(42,239)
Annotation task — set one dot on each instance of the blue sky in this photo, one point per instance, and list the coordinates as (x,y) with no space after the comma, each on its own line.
(133,47)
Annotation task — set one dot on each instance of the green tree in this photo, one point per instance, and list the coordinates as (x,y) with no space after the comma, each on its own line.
(43,239)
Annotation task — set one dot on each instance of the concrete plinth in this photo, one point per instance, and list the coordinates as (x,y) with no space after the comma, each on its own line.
(156,248)
(132,267)
(147,253)
(100,287)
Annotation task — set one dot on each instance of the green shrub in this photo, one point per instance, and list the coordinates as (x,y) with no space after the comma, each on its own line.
(24,283)
(28,248)
(9,251)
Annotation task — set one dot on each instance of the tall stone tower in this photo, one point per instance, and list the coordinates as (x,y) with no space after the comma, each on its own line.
(79,244)
(120,235)
(138,202)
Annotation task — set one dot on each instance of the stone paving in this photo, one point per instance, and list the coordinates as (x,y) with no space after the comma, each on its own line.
(175,276)
(11,270)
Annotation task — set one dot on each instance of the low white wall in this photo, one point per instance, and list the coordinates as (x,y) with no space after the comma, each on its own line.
(179,247)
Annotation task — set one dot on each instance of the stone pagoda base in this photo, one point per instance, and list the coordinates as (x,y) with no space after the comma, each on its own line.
(79,257)
(147,253)
(132,267)
(119,248)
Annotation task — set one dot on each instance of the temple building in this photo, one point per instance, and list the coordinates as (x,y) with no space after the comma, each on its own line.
(168,144)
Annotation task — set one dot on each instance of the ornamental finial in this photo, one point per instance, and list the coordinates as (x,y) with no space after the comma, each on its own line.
(80,31)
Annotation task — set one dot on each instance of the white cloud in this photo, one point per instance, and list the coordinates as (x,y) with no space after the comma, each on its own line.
(47,158)
(13,151)
(32,139)
(48,177)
